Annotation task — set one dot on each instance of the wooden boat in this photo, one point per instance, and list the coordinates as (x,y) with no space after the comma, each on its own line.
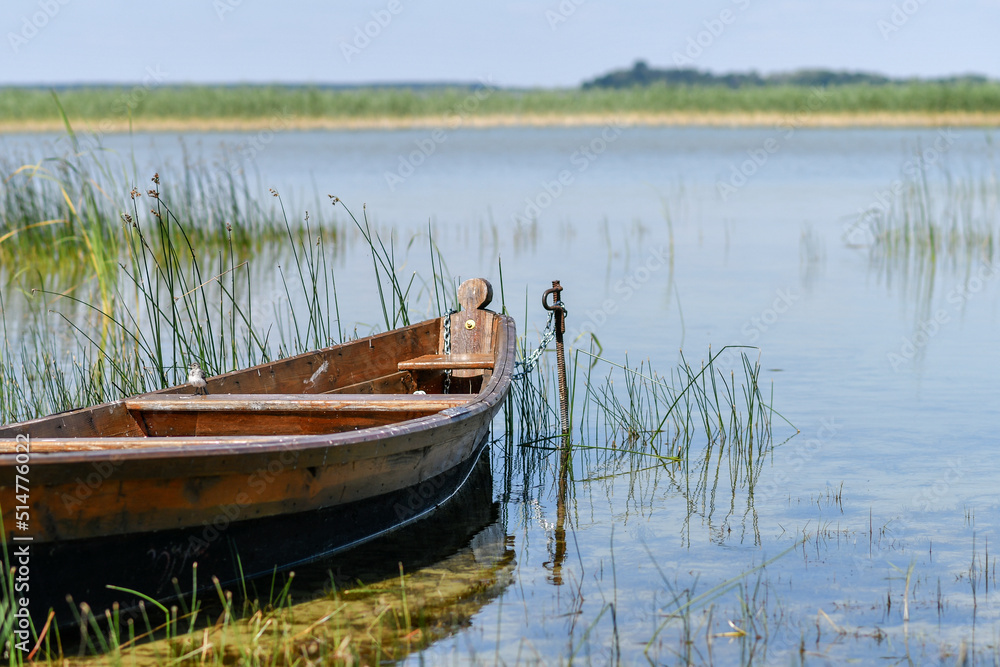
(277,465)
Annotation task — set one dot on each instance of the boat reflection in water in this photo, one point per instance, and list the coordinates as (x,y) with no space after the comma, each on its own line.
(380,601)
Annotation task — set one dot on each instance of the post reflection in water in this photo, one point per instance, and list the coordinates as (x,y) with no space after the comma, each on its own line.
(557,546)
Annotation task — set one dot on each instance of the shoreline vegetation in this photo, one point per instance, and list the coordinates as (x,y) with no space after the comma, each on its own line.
(149,107)
(667,119)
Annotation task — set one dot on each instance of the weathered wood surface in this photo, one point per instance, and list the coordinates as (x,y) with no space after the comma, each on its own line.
(353,363)
(231,549)
(92,485)
(472,328)
(431,362)
(394,383)
(280,414)
(296,403)
(280,484)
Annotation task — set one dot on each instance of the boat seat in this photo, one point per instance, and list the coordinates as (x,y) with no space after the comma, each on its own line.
(325,403)
(434,362)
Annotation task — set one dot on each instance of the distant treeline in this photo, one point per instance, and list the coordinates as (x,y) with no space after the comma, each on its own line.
(642,74)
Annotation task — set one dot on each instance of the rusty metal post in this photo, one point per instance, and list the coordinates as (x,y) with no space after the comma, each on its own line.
(560,329)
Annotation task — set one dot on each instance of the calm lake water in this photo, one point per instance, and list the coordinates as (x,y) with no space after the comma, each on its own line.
(669,239)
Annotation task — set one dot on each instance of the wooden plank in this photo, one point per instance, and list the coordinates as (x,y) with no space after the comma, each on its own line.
(296,403)
(50,446)
(247,452)
(281,414)
(431,362)
(109,419)
(274,423)
(352,363)
(394,383)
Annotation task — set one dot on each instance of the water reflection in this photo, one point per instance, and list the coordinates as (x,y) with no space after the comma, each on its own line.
(378,602)
(469,523)
(557,544)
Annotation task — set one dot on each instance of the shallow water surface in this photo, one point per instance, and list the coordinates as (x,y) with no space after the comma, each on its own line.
(886,500)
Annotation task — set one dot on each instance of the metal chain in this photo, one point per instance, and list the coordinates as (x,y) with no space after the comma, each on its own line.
(531,360)
(447,348)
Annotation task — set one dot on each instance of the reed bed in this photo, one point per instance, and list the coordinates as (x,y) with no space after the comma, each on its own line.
(289,103)
(955,223)
(637,416)
(63,214)
(930,227)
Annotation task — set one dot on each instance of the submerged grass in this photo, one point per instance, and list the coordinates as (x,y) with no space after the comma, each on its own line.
(364,623)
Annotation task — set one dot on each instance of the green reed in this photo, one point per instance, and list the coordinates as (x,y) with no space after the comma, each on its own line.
(163,295)
(927,227)
(665,414)
(62,214)
(163,302)
(290,103)
(952,223)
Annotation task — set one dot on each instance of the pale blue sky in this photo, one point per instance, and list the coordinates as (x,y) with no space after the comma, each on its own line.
(517,43)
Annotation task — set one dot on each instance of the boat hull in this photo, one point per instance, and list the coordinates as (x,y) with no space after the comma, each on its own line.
(251,478)
(160,563)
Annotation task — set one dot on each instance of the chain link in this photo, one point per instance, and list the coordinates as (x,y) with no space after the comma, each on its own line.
(531,360)
(447,348)
(529,363)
